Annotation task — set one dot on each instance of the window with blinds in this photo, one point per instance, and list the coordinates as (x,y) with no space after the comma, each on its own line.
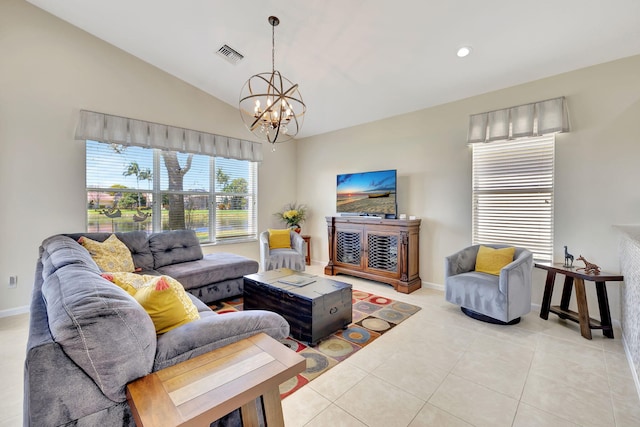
(513,194)
(134,188)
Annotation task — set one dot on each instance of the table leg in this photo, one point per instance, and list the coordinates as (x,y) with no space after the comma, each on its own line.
(583,308)
(546,297)
(249,413)
(273,408)
(603,305)
(566,294)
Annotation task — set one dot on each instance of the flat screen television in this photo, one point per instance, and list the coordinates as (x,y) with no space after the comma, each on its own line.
(367,193)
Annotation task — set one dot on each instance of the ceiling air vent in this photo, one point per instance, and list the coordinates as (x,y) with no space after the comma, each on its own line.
(230,54)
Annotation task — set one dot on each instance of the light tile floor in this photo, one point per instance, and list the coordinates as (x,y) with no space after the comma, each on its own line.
(438,368)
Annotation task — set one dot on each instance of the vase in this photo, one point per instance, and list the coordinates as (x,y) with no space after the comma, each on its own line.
(296,228)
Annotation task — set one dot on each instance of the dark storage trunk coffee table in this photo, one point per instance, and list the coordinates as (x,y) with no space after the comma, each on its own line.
(314,310)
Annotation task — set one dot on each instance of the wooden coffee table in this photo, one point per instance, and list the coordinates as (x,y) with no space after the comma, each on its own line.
(198,391)
(314,311)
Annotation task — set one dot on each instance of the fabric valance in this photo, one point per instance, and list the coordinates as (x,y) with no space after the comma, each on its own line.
(534,119)
(121,130)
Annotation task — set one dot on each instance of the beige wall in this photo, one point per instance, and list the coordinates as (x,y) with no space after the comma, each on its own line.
(49,70)
(596,182)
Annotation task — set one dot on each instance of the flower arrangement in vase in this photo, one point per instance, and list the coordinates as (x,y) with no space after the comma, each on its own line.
(293,215)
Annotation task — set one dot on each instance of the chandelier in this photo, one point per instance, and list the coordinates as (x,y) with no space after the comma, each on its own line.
(270,105)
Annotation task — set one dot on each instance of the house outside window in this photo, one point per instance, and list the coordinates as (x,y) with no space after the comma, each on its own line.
(136,188)
(513,194)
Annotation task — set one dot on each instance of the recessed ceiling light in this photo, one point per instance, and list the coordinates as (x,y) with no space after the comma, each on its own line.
(463,51)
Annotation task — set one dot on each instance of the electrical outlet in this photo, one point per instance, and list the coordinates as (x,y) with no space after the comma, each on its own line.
(13,281)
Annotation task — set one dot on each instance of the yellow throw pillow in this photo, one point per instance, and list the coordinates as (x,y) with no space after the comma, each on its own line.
(162,297)
(130,282)
(110,255)
(491,260)
(167,303)
(279,239)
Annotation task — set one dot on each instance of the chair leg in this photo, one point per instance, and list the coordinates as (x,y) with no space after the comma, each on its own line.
(484,318)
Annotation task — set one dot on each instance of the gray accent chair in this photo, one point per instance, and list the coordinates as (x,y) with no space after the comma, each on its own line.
(496,299)
(293,258)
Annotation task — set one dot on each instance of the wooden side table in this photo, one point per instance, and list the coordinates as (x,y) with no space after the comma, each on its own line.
(577,277)
(198,391)
(307,241)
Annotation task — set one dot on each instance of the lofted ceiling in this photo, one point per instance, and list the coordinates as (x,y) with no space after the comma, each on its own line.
(357,61)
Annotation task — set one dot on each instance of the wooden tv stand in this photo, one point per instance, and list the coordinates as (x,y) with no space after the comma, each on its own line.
(385,250)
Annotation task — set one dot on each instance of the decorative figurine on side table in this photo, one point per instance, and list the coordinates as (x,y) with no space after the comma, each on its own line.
(589,267)
(568,259)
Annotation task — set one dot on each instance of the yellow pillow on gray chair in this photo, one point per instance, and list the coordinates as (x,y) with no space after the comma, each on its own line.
(279,239)
(491,261)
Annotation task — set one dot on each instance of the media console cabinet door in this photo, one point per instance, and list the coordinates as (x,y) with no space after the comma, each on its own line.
(385,250)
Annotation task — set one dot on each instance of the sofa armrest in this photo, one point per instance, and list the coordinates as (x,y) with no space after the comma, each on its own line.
(264,245)
(517,274)
(297,243)
(213,331)
(460,262)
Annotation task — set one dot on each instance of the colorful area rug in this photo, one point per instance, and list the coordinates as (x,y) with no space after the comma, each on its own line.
(373,316)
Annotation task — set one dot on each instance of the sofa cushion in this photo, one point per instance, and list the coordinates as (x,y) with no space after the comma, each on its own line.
(136,241)
(100,327)
(212,268)
(110,255)
(59,251)
(173,247)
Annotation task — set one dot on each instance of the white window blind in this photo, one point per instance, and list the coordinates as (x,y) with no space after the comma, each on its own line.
(513,194)
(134,188)
(236,193)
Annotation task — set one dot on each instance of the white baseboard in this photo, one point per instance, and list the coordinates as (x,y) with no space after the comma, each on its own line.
(634,373)
(435,286)
(14,311)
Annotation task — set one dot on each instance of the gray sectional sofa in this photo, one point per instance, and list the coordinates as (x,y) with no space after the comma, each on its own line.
(88,338)
(178,254)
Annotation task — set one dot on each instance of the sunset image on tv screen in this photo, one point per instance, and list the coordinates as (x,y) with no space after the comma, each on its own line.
(367,193)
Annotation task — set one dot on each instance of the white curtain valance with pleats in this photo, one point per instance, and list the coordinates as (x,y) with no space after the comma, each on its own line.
(121,130)
(534,119)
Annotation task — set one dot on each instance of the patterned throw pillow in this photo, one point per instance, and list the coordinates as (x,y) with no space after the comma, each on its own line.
(130,282)
(491,260)
(110,255)
(279,239)
(163,298)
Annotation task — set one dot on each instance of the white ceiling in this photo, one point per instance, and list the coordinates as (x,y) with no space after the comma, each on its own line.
(357,61)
